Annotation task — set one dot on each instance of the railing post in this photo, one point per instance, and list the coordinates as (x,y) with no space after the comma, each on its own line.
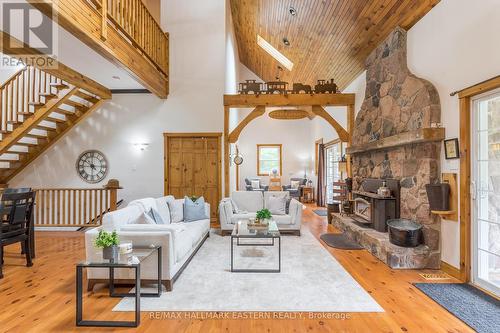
(104,19)
(113,186)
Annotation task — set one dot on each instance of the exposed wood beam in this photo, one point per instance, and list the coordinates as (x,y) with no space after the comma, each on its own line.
(342,133)
(85,23)
(18,48)
(257,112)
(288,100)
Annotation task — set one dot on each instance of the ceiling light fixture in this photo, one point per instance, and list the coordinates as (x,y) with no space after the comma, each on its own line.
(286,41)
(274,53)
(115,77)
(292,11)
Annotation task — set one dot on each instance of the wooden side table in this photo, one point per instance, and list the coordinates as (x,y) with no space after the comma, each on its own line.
(307,194)
(275,184)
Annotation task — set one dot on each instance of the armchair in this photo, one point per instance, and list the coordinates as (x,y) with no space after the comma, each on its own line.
(249,187)
(295,192)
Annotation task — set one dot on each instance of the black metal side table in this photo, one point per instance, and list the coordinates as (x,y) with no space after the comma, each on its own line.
(130,260)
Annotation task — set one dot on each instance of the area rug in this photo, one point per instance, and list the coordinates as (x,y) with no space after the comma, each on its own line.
(311,280)
(474,307)
(340,241)
(320,212)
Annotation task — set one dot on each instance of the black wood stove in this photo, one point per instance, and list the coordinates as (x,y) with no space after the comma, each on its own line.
(373,209)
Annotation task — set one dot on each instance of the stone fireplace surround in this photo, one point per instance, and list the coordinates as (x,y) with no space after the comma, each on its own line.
(394,137)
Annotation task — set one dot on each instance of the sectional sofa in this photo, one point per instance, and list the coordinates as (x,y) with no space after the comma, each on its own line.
(180,240)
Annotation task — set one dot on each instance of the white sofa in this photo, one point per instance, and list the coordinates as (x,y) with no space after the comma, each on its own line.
(249,202)
(179,241)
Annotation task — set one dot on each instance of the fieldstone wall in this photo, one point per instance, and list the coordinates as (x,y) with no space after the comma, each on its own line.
(397,101)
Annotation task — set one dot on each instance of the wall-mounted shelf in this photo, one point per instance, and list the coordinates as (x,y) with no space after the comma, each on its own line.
(452,214)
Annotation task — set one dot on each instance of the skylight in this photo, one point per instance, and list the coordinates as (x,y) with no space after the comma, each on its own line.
(274,53)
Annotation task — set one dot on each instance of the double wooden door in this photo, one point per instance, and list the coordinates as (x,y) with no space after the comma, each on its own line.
(193,167)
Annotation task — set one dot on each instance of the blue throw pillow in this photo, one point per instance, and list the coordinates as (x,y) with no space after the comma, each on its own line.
(194,210)
(156,216)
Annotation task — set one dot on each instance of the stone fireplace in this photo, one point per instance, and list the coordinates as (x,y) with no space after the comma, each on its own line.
(395,136)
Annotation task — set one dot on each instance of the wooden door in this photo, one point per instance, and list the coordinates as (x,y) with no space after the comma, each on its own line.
(193,167)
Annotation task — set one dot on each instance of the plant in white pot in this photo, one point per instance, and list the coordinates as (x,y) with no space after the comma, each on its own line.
(108,242)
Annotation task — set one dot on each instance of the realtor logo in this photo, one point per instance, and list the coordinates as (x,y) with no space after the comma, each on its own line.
(29,36)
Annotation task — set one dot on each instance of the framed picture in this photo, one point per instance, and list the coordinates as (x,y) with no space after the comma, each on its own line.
(451,149)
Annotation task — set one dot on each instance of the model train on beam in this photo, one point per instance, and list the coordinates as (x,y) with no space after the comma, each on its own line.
(280,87)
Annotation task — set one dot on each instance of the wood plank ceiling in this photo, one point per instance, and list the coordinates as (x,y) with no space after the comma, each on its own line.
(328,38)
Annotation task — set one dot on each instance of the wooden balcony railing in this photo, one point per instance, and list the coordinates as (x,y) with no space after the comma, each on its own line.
(135,21)
(21,91)
(74,207)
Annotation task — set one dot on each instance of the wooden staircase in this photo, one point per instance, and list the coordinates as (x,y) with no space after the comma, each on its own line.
(37,108)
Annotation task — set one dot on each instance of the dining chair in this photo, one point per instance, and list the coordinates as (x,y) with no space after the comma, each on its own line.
(15,228)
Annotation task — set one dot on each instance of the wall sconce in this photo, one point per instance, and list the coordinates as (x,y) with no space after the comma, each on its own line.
(141,146)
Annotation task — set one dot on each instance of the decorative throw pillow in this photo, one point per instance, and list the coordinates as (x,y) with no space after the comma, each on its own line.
(277,205)
(162,208)
(256,184)
(236,210)
(153,213)
(287,206)
(176,208)
(144,218)
(295,184)
(194,210)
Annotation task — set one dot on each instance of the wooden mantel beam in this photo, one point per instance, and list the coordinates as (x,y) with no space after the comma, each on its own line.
(242,101)
(85,23)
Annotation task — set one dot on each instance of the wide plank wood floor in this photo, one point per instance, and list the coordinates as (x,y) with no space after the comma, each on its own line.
(42,298)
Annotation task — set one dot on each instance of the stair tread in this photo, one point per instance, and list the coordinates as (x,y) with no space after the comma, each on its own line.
(55,120)
(65,112)
(36,103)
(74,104)
(48,94)
(36,136)
(86,96)
(59,85)
(39,126)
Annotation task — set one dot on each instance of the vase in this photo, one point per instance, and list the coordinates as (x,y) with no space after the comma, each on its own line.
(110,253)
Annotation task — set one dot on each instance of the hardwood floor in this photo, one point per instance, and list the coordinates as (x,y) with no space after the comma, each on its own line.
(42,298)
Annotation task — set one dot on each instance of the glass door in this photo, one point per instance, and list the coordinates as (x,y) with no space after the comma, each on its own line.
(333,155)
(486,191)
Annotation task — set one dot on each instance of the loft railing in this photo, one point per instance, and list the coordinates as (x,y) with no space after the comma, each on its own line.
(74,207)
(135,21)
(21,91)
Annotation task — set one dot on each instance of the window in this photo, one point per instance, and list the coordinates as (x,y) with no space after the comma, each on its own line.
(268,158)
(277,55)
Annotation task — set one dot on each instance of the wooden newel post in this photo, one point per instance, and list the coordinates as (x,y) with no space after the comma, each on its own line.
(113,186)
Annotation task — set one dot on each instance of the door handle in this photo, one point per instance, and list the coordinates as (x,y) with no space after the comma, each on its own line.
(473,190)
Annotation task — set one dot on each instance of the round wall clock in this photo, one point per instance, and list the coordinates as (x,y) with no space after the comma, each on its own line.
(92,166)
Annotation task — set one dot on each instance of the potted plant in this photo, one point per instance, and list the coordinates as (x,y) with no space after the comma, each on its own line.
(108,242)
(263,215)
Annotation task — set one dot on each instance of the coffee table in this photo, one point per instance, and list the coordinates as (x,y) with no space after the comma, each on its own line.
(130,260)
(243,235)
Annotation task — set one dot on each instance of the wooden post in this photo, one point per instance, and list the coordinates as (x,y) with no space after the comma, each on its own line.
(226,151)
(350,128)
(113,185)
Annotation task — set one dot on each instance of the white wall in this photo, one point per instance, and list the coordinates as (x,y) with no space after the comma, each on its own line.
(294,135)
(454,46)
(197,55)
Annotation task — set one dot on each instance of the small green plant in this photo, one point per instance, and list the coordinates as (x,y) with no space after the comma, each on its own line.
(263,214)
(106,239)
(193,198)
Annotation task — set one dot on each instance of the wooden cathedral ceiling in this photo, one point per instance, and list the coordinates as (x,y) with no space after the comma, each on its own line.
(328,38)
